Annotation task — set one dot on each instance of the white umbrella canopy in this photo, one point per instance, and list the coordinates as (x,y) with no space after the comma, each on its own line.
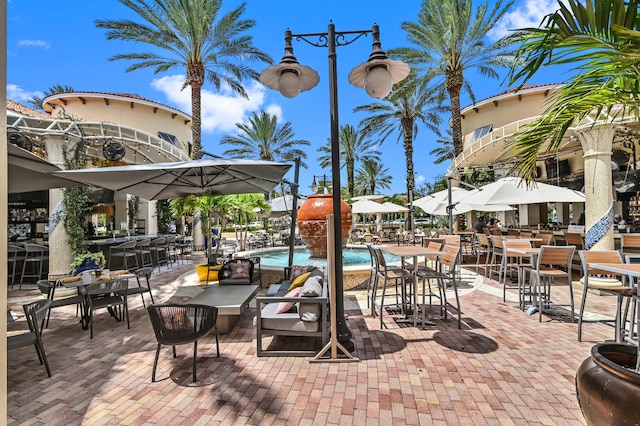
(436,204)
(281,206)
(513,190)
(28,172)
(370,207)
(368,197)
(159,181)
(397,208)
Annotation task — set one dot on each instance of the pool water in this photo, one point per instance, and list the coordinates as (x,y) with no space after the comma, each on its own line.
(302,256)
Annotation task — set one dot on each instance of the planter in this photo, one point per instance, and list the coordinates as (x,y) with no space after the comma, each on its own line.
(87,265)
(607,387)
(312,222)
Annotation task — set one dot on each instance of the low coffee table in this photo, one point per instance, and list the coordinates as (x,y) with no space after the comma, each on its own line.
(230,300)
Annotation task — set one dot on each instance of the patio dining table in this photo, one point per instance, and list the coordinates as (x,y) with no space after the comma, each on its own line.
(412,251)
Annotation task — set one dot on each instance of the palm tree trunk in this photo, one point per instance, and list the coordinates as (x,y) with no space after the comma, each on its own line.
(195,78)
(350,181)
(407,125)
(454,84)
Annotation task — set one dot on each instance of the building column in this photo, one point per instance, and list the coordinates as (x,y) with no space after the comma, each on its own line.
(596,146)
(147,211)
(121,207)
(61,262)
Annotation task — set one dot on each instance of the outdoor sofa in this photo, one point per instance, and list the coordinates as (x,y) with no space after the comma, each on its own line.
(298,306)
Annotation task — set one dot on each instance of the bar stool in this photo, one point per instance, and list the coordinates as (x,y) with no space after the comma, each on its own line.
(158,252)
(35,256)
(15,254)
(144,253)
(124,251)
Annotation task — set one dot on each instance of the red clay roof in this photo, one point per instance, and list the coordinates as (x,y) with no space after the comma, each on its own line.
(25,110)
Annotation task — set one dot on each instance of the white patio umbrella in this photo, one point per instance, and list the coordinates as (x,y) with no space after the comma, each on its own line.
(371,207)
(368,197)
(436,204)
(396,207)
(160,181)
(28,172)
(513,190)
(281,206)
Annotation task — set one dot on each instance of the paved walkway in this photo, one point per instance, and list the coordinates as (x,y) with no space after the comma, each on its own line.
(503,367)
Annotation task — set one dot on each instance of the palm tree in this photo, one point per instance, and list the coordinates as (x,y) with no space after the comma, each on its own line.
(372,176)
(445,151)
(263,139)
(191,35)
(36,101)
(600,39)
(409,105)
(449,39)
(353,147)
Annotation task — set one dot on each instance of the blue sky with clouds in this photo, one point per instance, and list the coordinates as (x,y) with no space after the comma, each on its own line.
(57,43)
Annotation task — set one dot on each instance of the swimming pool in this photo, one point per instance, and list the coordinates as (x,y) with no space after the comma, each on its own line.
(351,256)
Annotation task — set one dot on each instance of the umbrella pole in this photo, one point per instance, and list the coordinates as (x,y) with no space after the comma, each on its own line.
(294,210)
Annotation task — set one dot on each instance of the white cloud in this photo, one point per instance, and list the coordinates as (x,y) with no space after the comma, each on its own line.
(220,110)
(526,15)
(17,94)
(420,179)
(35,43)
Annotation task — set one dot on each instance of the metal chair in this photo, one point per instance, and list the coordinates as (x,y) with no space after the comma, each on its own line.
(48,289)
(388,274)
(35,257)
(605,282)
(143,253)
(109,294)
(446,273)
(158,252)
(124,252)
(552,263)
(35,314)
(15,255)
(142,273)
(178,324)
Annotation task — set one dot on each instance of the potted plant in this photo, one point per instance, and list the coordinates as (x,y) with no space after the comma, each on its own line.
(86,260)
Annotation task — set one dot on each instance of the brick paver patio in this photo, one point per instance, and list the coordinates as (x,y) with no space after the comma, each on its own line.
(503,367)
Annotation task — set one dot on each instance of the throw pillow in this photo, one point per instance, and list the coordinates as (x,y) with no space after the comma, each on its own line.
(239,270)
(285,306)
(297,270)
(312,288)
(298,282)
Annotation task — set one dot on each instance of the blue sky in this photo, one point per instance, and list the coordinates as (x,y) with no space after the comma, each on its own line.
(54,43)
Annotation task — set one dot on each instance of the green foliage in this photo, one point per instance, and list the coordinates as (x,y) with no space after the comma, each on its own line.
(75,200)
(163,209)
(262,138)
(80,257)
(133,211)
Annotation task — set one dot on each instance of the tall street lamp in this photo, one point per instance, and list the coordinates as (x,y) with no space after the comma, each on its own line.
(377,76)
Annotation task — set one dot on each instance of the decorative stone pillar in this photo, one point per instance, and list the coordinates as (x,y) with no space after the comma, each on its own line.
(198,234)
(60,263)
(596,146)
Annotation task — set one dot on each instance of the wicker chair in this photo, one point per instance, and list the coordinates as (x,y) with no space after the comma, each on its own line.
(236,271)
(179,324)
(35,313)
(111,295)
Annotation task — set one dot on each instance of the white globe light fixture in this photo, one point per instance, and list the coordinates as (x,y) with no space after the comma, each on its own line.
(378,75)
(289,77)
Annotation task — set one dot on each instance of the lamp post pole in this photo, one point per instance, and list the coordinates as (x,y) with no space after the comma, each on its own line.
(376,76)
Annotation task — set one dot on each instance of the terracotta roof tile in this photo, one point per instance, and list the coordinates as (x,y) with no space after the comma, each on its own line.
(24,110)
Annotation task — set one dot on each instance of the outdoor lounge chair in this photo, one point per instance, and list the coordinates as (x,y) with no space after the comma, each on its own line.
(179,324)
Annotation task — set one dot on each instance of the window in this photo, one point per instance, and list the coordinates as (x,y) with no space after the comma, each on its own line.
(480,132)
(169,138)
